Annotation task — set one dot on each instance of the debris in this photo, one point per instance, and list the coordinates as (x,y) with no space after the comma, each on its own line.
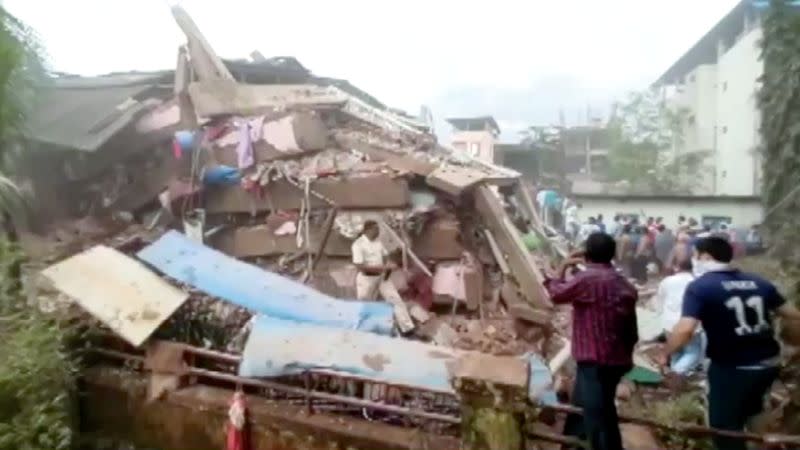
(498,255)
(561,358)
(642,375)
(520,263)
(418,313)
(638,437)
(445,335)
(119,291)
(518,308)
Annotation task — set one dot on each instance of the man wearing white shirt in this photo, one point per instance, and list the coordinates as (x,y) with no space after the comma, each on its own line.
(369,257)
(615,227)
(669,298)
(571,219)
(588,229)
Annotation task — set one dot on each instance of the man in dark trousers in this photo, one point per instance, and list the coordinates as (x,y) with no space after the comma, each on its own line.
(603,335)
(735,309)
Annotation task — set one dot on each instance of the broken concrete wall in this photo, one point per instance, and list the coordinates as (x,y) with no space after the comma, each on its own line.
(282,136)
(378,191)
(193,418)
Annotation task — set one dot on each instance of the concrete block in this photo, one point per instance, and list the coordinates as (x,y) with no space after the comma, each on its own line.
(227,97)
(261,240)
(506,371)
(361,192)
(439,240)
(520,262)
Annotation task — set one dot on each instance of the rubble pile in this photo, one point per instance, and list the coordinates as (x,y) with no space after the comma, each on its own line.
(284,177)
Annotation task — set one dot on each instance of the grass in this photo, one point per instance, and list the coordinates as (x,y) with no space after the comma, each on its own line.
(36,385)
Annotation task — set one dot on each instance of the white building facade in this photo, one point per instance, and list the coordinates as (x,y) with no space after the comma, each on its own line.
(716,85)
(737,211)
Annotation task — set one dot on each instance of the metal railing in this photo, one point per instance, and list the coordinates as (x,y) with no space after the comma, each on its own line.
(439,411)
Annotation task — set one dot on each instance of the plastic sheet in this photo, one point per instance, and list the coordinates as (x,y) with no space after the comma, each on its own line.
(258,290)
(277,348)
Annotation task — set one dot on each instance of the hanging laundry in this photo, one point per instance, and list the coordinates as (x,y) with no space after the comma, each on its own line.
(244,149)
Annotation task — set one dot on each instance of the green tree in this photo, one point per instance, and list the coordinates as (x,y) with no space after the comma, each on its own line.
(779,102)
(644,133)
(36,373)
(21,70)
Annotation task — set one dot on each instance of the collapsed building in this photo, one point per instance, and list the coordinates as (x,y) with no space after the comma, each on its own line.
(266,173)
(232,192)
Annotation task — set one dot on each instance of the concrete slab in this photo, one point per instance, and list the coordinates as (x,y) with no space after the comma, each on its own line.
(362,192)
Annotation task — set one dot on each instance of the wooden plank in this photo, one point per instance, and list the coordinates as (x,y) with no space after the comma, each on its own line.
(116,289)
(224,97)
(404,245)
(522,266)
(379,191)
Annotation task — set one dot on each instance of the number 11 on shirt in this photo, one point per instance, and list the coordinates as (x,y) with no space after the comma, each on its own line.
(755,303)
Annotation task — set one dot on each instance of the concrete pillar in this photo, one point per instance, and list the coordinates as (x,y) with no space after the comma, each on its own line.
(493,394)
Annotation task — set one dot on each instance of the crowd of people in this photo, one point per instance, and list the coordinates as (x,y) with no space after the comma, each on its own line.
(651,247)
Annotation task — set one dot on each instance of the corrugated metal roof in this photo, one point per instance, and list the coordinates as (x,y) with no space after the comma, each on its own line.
(117,290)
(84,113)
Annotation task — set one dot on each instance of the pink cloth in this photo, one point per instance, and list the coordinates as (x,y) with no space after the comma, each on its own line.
(448,280)
(238,435)
(176,149)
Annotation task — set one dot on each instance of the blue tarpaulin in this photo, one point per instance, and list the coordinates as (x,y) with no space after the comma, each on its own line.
(221,175)
(258,290)
(277,347)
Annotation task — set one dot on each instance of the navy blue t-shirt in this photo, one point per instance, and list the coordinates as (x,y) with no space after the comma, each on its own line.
(736,311)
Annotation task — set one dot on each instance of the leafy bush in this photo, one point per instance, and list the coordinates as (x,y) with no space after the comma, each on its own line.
(37,374)
(36,385)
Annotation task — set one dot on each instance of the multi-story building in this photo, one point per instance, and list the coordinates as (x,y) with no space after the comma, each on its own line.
(475,136)
(715,84)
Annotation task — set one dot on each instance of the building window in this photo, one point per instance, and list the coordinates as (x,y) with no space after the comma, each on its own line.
(725,130)
(715,221)
(724,86)
(691,78)
(475,149)
(690,120)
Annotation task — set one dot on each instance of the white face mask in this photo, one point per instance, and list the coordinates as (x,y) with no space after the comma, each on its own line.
(698,267)
(702,266)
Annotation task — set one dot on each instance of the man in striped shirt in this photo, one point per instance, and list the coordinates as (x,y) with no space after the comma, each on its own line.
(603,336)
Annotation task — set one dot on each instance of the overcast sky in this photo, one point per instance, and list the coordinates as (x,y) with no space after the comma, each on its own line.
(521,61)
